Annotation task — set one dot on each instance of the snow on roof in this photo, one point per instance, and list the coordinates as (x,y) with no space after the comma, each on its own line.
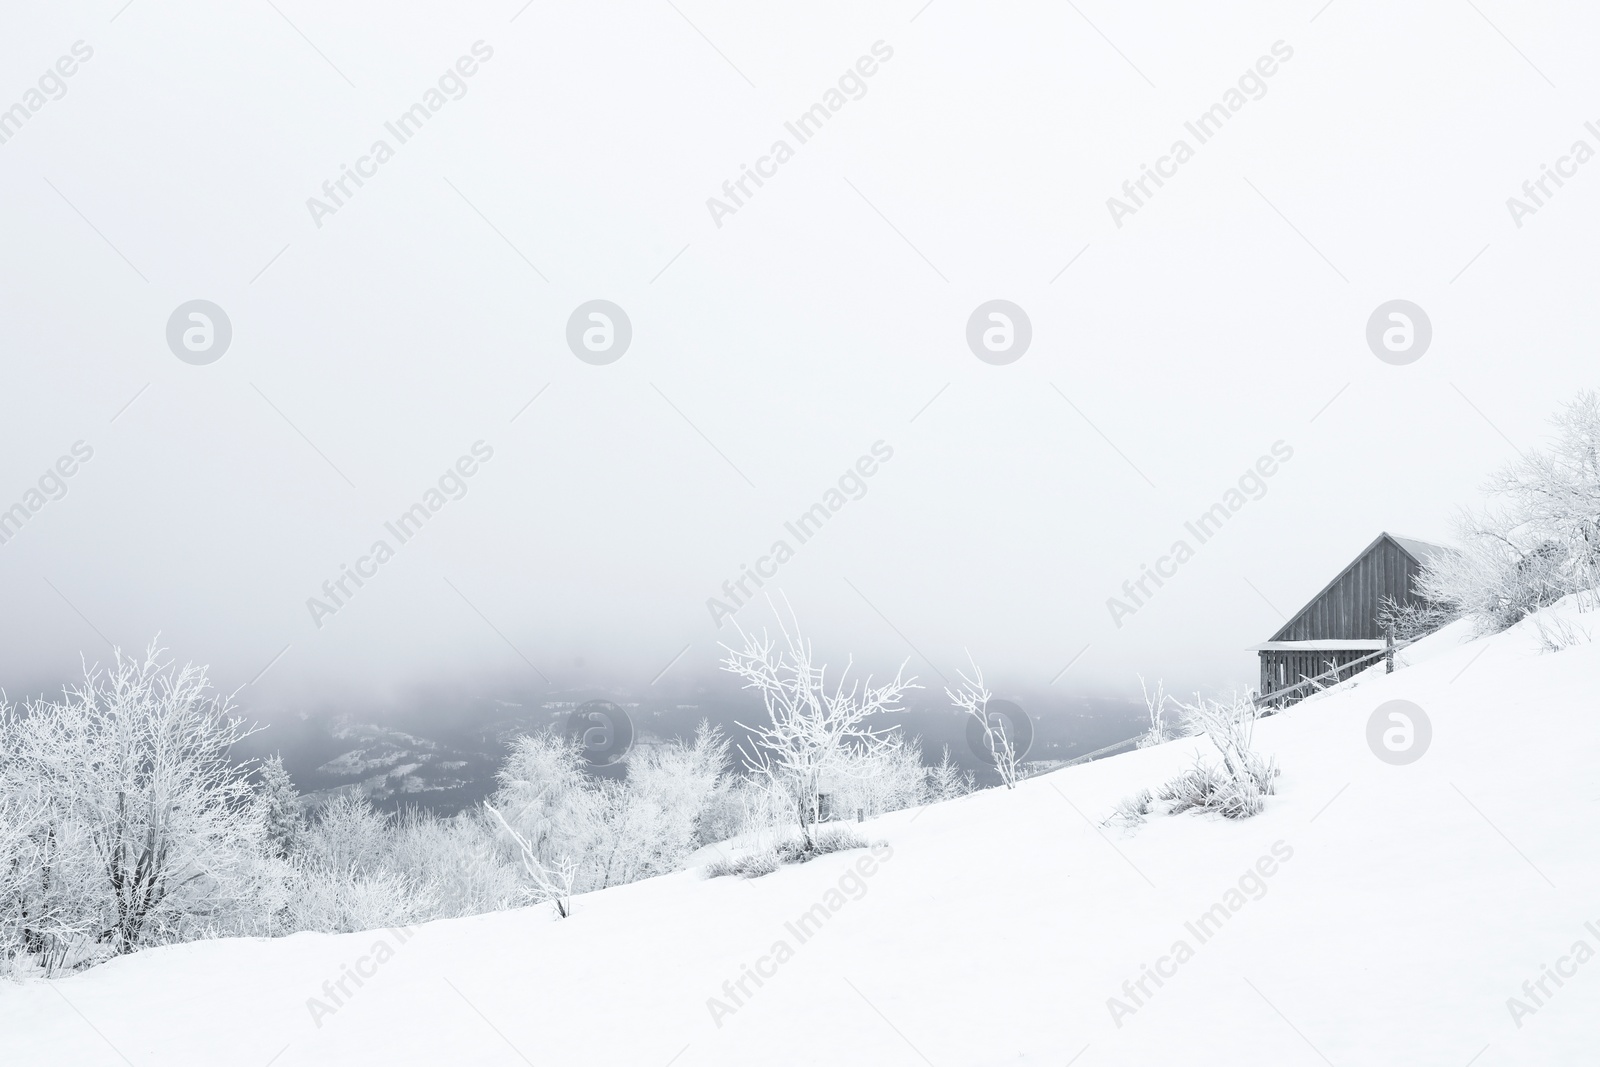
(1354,644)
(1420,550)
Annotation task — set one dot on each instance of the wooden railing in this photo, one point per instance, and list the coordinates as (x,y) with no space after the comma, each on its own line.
(1387,652)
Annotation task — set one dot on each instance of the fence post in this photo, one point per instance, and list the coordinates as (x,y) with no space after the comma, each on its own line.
(1389,649)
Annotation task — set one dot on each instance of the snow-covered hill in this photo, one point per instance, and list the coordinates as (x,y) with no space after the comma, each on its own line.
(1374,914)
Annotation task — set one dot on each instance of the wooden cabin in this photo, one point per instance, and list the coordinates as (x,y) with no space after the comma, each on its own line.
(1337,634)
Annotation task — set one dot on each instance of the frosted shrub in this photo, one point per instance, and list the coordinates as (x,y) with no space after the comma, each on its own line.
(348,834)
(754,865)
(874,783)
(831,837)
(544,793)
(834,838)
(751,805)
(1155,704)
(1539,540)
(348,901)
(1239,786)
(661,805)
(726,813)
(1131,811)
(342,881)
(609,832)
(461,867)
(1558,633)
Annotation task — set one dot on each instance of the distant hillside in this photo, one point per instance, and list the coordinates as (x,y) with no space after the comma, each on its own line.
(446,760)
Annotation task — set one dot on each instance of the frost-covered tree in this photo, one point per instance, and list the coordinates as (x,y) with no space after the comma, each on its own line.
(282,811)
(17,874)
(810,725)
(972,697)
(145,830)
(946,780)
(1539,538)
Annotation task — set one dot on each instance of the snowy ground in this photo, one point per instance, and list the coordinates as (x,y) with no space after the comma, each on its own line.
(1413,902)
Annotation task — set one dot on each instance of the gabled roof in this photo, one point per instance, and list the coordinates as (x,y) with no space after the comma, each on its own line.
(1418,550)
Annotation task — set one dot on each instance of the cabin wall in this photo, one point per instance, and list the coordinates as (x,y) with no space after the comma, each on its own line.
(1348,609)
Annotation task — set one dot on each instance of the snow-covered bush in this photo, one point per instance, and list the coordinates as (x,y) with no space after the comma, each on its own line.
(463,869)
(730,810)
(609,832)
(357,868)
(348,834)
(544,793)
(1131,811)
(752,865)
(654,819)
(873,783)
(1539,539)
(1558,632)
(832,837)
(1238,788)
(344,875)
(1155,705)
(348,901)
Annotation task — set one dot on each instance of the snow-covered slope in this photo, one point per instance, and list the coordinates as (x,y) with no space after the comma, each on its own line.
(1375,914)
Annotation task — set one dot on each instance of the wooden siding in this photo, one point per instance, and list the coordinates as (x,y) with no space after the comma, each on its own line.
(1280,670)
(1348,608)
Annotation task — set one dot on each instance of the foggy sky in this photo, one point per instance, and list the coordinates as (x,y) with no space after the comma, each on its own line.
(772,348)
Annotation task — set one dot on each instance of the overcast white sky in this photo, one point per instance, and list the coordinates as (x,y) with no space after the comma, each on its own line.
(771,352)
